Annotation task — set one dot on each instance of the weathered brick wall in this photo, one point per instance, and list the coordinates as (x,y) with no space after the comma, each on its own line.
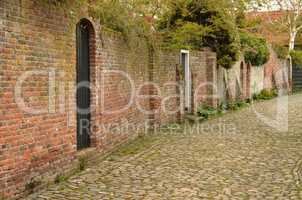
(204,79)
(166,102)
(273,74)
(168,75)
(276,73)
(234,83)
(35,38)
(122,73)
(242,80)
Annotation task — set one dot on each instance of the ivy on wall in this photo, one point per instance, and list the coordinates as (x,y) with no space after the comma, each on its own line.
(183,24)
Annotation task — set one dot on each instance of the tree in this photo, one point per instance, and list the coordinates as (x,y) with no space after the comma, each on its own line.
(291,19)
(214,19)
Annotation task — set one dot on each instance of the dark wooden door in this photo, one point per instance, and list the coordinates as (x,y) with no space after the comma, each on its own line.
(83,87)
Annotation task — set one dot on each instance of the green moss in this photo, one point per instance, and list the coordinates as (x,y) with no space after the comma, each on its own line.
(134,147)
(2,197)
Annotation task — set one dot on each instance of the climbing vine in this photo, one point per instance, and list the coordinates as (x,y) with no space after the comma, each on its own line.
(181,24)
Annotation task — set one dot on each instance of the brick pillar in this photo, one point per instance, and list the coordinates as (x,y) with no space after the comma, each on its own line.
(248,81)
(212,83)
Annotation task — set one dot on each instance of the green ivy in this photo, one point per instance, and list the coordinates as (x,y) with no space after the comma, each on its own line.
(255,49)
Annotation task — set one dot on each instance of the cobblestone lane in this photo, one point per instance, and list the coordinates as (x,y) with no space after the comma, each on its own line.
(246,159)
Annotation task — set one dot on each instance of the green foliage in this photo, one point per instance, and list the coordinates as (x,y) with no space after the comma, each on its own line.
(237,105)
(255,49)
(187,24)
(60,179)
(224,39)
(266,94)
(206,111)
(113,15)
(215,25)
(281,51)
(124,17)
(187,35)
(296,58)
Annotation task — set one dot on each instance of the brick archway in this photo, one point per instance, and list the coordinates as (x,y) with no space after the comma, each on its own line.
(85,63)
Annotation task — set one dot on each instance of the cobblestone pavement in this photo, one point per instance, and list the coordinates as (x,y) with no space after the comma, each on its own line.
(246,159)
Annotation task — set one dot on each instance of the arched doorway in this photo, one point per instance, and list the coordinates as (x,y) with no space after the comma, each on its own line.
(83,94)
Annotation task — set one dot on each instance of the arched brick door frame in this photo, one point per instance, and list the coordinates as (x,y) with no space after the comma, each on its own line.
(85,42)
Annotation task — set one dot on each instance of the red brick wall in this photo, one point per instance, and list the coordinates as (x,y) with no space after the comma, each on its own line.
(32,38)
(37,37)
(204,79)
(276,73)
(273,74)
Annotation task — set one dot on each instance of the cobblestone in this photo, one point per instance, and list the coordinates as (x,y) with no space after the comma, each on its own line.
(246,159)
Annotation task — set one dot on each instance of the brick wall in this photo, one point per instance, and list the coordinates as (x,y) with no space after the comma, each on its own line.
(204,79)
(277,73)
(234,83)
(39,41)
(243,80)
(33,38)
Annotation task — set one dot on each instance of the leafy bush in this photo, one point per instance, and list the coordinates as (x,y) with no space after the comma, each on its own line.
(281,51)
(266,94)
(187,35)
(223,107)
(125,17)
(206,111)
(113,15)
(296,58)
(255,49)
(218,28)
